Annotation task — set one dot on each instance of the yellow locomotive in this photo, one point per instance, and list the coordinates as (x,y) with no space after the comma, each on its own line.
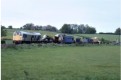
(26,37)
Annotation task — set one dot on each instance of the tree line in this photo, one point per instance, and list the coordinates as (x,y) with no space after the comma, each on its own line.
(77,29)
(31,26)
(66,28)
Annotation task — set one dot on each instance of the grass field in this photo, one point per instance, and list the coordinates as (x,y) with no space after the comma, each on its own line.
(105,36)
(61,63)
(51,62)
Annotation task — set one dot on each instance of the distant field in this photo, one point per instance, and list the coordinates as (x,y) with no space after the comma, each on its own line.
(61,63)
(105,36)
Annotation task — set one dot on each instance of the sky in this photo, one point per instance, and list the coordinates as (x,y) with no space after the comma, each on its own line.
(104,15)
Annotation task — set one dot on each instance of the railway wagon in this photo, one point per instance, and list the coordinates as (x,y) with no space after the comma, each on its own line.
(68,39)
(62,38)
(26,37)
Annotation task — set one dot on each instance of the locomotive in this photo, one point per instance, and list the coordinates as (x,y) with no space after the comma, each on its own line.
(26,37)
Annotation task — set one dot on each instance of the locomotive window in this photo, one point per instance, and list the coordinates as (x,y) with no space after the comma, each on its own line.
(24,35)
(38,37)
(32,36)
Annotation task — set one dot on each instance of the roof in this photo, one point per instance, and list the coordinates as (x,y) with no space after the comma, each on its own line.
(69,36)
(29,33)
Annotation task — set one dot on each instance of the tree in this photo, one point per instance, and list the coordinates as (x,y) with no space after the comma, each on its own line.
(10,27)
(37,27)
(80,29)
(48,27)
(3,27)
(29,26)
(118,31)
(90,30)
(54,29)
(66,29)
(74,28)
(21,28)
(3,31)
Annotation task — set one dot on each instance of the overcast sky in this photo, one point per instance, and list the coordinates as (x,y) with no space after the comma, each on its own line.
(104,15)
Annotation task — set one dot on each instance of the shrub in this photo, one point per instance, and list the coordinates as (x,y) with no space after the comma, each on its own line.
(3,42)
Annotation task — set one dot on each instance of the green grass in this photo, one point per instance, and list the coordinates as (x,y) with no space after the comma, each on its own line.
(61,63)
(105,36)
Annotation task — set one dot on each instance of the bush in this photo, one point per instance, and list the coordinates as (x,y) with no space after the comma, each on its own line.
(104,41)
(3,42)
